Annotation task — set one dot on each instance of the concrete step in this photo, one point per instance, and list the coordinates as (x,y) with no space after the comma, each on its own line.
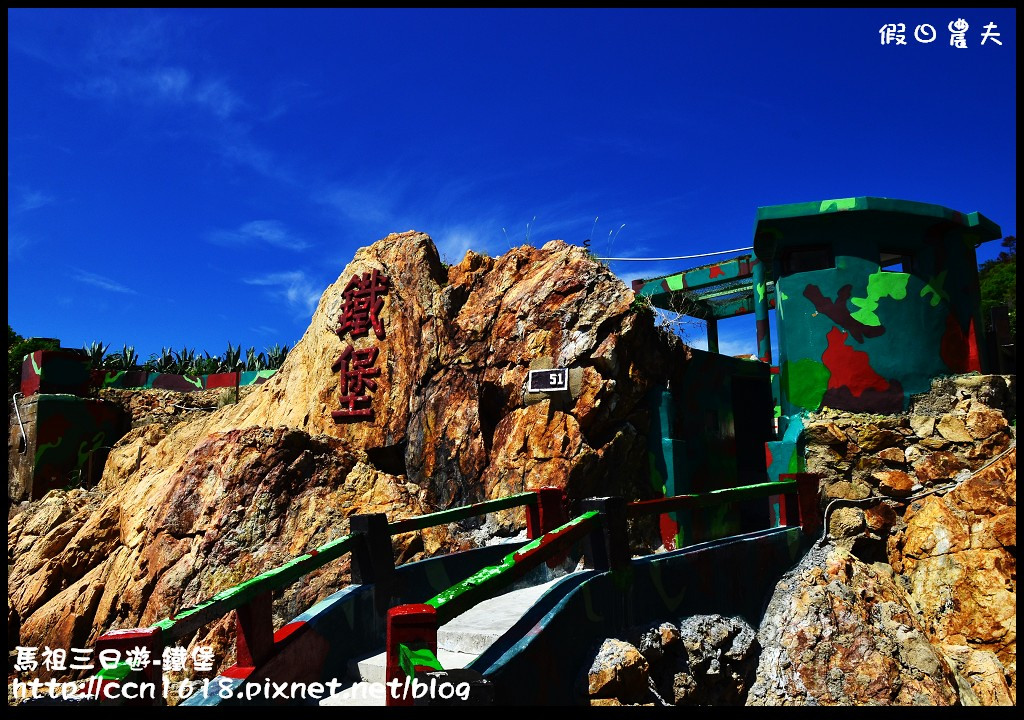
(479,627)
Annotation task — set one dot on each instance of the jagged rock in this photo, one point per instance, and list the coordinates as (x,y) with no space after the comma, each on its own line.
(654,642)
(953,557)
(880,518)
(984,673)
(994,391)
(953,428)
(895,483)
(867,463)
(845,523)
(934,442)
(847,491)
(893,456)
(840,632)
(982,451)
(983,421)
(826,433)
(872,438)
(958,555)
(718,665)
(936,466)
(922,425)
(619,671)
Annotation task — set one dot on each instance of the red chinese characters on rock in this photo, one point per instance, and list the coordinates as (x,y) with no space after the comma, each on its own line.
(363,303)
(364,299)
(357,373)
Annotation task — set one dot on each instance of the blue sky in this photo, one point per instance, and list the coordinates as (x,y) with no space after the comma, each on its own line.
(195,177)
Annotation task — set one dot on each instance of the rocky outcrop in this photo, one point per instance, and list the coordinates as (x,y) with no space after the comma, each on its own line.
(910,597)
(704,660)
(957,556)
(186,509)
(170,407)
(839,631)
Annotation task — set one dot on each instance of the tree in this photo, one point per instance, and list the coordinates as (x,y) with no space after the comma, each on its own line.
(998,278)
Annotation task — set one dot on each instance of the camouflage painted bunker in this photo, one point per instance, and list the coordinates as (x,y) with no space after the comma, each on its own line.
(874,298)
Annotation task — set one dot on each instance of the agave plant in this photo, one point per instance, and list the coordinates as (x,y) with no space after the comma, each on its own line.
(126,359)
(95,352)
(231,360)
(165,362)
(186,360)
(254,361)
(275,356)
(206,365)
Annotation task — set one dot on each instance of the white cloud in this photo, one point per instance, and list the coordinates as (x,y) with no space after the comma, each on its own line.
(364,207)
(454,245)
(33,200)
(165,85)
(271,232)
(16,245)
(294,287)
(104,283)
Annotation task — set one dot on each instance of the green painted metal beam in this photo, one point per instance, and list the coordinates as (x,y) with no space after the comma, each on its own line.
(725,271)
(409,660)
(721,309)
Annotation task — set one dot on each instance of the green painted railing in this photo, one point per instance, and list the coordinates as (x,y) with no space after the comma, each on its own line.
(709,499)
(484,583)
(251,599)
(189,620)
(443,517)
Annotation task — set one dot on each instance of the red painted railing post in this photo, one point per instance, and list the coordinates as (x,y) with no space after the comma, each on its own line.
(608,546)
(414,626)
(803,506)
(254,622)
(547,513)
(124,641)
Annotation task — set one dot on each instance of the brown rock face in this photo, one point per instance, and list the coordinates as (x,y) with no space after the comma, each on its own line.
(950,548)
(982,422)
(185,511)
(958,554)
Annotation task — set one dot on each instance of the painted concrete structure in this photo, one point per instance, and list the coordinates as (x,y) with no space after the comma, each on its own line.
(144,380)
(707,433)
(55,372)
(62,435)
(65,443)
(875,297)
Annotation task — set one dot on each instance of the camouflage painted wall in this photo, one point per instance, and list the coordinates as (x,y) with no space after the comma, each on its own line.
(55,371)
(708,433)
(857,336)
(67,440)
(143,380)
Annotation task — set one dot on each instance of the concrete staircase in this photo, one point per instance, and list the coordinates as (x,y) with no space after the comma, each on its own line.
(459,642)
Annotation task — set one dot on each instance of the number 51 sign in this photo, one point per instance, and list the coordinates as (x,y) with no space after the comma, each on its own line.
(549,380)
